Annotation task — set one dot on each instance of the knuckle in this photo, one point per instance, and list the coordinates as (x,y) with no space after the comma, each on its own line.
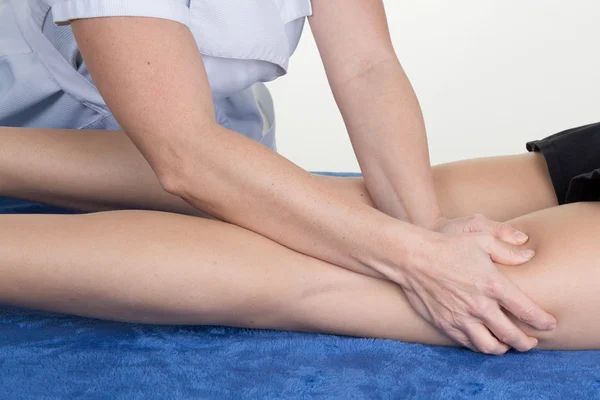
(508,337)
(444,323)
(458,336)
(504,227)
(445,326)
(523,346)
(458,321)
(494,288)
(514,253)
(494,349)
(467,344)
(481,308)
(527,315)
(475,222)
(438,321)
(461,338)
(487,349)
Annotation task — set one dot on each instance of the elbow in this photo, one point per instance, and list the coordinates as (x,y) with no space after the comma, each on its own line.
(172,179)
(175,164)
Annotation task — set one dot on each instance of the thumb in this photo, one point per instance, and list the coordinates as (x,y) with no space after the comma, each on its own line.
(507,254)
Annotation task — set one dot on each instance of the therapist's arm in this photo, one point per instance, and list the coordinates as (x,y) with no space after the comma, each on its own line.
(379,107)
(387,131)
(151,75)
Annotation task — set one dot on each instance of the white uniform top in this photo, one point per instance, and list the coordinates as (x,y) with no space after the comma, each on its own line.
(44,82)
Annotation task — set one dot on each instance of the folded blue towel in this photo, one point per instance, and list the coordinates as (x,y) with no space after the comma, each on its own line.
(51,356)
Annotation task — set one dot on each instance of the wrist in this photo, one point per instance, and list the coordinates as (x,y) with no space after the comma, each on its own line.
(431,221)
(400,248)
(435,224)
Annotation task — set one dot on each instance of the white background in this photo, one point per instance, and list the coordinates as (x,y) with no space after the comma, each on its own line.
(489,74)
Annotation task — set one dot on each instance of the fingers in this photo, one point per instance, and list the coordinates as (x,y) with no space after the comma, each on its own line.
(485,342)
(460,338)
(507,332)
(444,327)
(503,253)
(501,230)
(521,306)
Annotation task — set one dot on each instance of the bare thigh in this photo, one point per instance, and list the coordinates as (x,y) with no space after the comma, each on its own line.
(501,188)
(102,170)
(166,268)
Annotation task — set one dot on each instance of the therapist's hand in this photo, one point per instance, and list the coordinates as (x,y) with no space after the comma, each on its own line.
(458,289)
(479,223)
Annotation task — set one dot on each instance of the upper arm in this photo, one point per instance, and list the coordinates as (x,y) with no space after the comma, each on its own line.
(148,70)
(150,73)
(352,36)
(143,59)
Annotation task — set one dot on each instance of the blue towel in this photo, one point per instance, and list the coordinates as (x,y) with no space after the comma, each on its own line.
(52,356)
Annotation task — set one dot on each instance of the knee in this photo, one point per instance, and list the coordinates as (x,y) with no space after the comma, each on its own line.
(561,277)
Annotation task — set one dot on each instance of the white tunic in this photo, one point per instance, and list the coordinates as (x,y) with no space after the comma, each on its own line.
(44,83)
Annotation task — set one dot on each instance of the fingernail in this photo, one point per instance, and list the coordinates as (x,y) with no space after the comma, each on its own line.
(520,237)
(528,253)
(535,343)
(552,327)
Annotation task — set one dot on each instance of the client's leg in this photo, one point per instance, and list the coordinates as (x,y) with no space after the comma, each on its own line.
(168,268)
(102,170)
(81,170)
(501,188)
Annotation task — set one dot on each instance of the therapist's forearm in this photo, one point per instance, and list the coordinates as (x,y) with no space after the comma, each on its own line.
(386,127)
(152,77)
(241,181)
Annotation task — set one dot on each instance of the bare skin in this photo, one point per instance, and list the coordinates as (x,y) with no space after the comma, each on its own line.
(165,108)
(102,170)
(159,267)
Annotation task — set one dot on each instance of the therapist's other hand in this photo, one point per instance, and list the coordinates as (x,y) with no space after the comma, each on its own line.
(459,290)
(503,253)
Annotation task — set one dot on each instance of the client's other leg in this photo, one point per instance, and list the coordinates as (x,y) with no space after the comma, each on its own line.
(102,170)
(501,188)
(168,268)
(81,170)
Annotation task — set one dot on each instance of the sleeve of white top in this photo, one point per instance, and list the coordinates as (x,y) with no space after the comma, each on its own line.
(64,11)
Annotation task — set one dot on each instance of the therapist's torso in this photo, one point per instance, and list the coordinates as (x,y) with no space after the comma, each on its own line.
(44,82)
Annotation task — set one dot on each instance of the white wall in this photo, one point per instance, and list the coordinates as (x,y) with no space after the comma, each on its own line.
(490,75)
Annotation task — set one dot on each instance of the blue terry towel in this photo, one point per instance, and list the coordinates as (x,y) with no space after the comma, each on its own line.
(51,356)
